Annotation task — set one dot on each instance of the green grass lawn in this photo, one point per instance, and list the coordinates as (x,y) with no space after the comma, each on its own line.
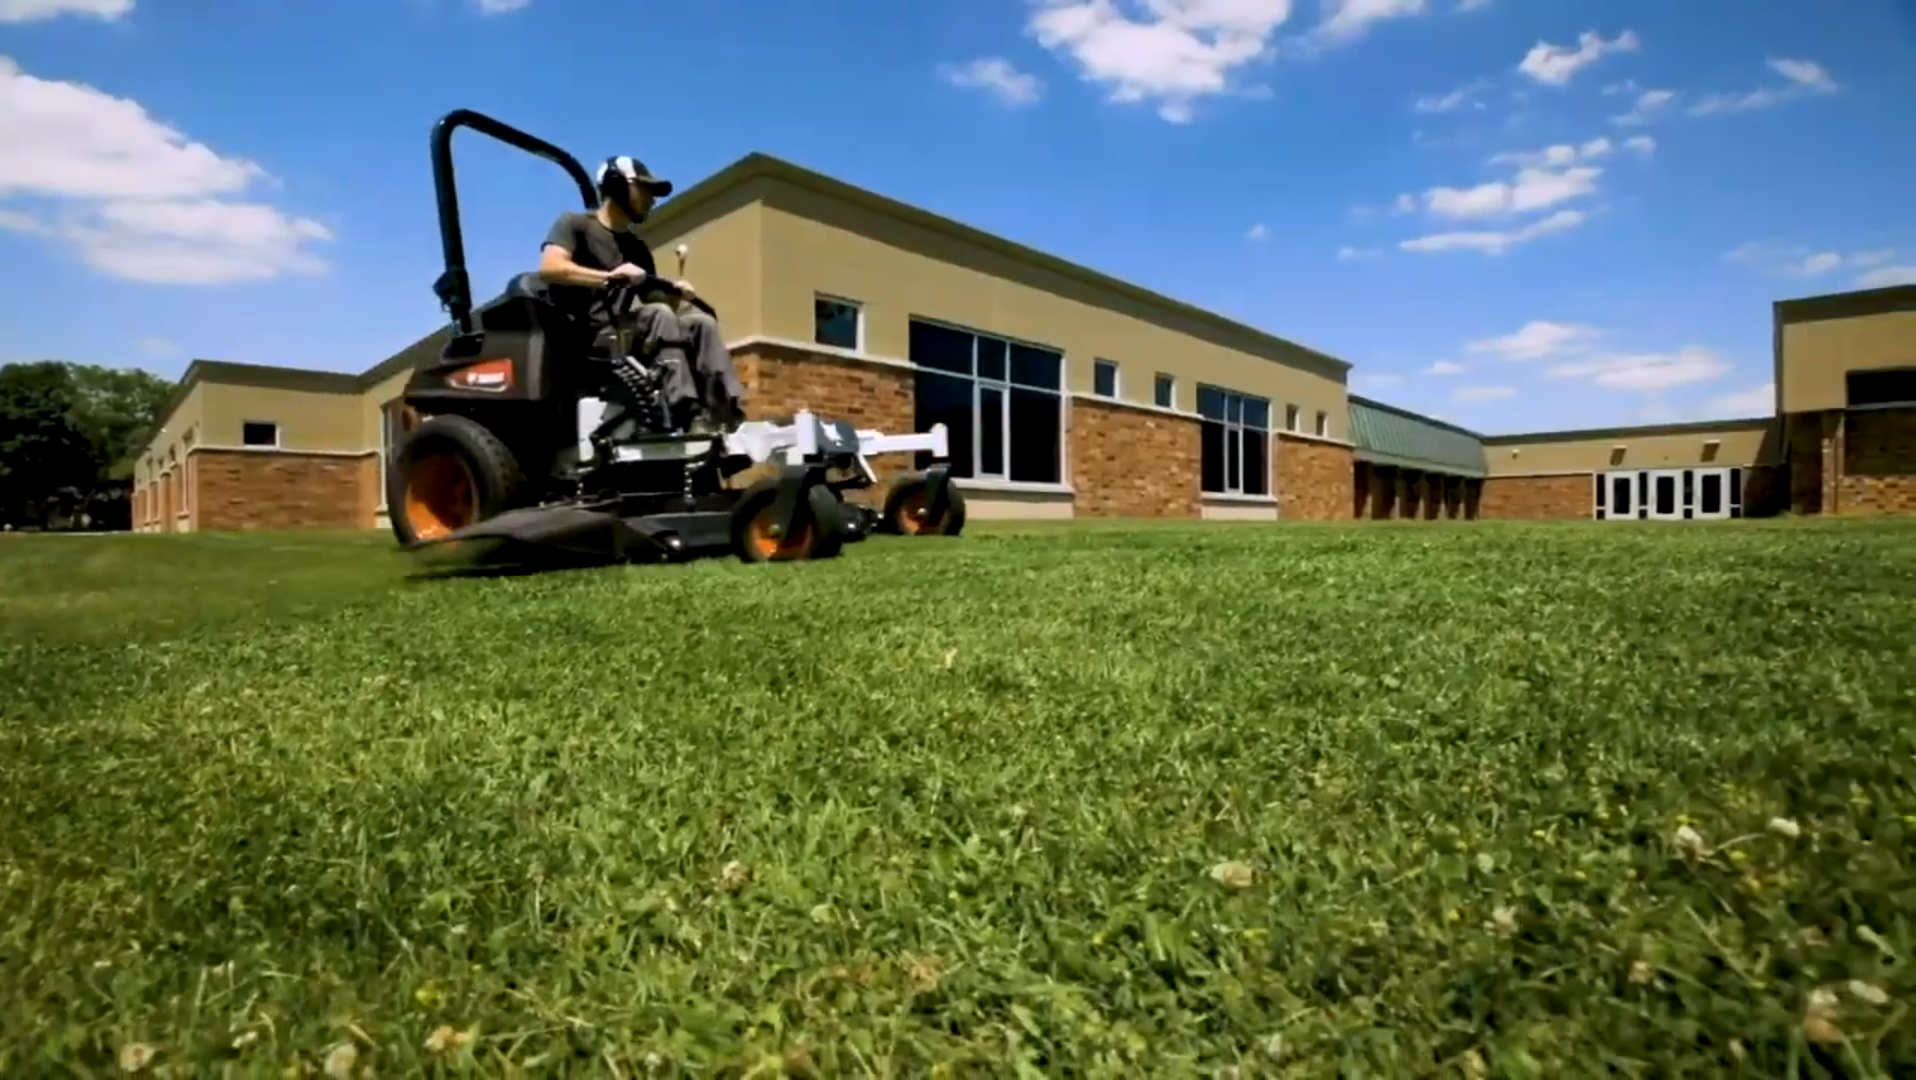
(1385,800)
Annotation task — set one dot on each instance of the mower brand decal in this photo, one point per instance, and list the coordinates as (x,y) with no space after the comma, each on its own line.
(491,376)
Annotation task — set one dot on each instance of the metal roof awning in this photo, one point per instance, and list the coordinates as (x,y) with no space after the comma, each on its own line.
(1383,435)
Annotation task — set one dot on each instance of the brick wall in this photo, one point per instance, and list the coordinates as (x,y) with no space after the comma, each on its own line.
(1537,498)
(1315,480)
(1878,462)
(1129,462)
(241,490)
(780,381)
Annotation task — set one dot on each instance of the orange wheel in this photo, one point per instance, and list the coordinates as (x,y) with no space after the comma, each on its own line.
(796,544)
(908,510)
(441,496)
(817,531)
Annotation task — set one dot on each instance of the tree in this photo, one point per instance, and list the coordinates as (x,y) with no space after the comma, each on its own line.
(71,432)
(118,409)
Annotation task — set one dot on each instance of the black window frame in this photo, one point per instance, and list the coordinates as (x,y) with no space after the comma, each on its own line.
(1018,377)
(1164,391)
(247,428)
(1880,388)
(1100,368)
(1226,431)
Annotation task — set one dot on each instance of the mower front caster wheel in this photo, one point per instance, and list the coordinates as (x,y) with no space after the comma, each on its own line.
(817,528)
(909,511)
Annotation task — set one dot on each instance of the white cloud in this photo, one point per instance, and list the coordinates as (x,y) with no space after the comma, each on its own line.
(1544,179)
(1801,78)
(1755,401)
(1405,203)
(1532,189)
(1646,371)
(1805,73)
(995,76)
(1555,65)
(1884,276)
(1647,106)
(1483,393)
(26,11)
(1452,101)
(157,346)
(1470,5)
(500,7)
(1562,155)
(1536,340)
(1351,254)
(1170,53)
(1799,261)
(1495,242)
(1380,378)
(1257,234)
(22,222)
(1445,367)
(1348,20)
(133,196)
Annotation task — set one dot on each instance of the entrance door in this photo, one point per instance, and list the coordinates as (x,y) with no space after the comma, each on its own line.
(1712,493)
(1665,495)
(1622,504)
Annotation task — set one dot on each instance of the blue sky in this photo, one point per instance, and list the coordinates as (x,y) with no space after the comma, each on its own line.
(1514,214)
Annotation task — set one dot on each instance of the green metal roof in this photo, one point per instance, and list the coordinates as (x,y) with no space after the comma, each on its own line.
(1387,435)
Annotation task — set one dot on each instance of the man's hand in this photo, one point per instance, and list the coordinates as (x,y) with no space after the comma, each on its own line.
(626,272)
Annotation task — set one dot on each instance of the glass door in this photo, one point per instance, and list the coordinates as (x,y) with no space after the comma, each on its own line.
(1622,502)
(1665,495)
(1712,494)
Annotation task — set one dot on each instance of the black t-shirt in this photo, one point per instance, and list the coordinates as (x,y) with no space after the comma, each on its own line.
(594,247)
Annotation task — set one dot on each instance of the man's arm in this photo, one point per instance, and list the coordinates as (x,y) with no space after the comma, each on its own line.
(556,264)
(556,267)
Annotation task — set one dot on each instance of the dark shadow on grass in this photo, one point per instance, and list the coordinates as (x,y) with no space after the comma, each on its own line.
(503,559)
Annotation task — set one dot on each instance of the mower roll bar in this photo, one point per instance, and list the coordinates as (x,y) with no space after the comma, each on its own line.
(454,287)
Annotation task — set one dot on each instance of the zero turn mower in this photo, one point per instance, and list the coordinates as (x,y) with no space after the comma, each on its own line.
(524,431)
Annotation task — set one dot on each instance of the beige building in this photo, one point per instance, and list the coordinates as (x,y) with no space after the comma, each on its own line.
(1070,393)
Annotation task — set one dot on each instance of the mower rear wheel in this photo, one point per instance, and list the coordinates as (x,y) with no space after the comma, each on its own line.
(817,532)
(908,509)
(448,473)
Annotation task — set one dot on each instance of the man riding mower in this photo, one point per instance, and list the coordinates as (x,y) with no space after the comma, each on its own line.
(593,409)
(584,253)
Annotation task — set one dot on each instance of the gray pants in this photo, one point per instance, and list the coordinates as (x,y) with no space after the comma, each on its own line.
(704,376)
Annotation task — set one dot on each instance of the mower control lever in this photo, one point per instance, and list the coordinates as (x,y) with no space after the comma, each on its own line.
(651,283)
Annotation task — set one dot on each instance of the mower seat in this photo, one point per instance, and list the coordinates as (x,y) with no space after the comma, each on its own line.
(529,286)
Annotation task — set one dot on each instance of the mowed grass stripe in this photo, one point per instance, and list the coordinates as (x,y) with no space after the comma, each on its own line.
(960,802)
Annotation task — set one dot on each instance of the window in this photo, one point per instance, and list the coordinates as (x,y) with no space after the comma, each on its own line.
(838,323)
(1165,392)
(1001,401)
(1236,442)
(1886,386)
(1290,418)
(1323,423)
(1104,378)
(259,433)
